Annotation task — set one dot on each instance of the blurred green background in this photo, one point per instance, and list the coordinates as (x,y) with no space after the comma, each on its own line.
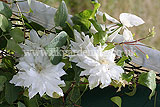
(148,10)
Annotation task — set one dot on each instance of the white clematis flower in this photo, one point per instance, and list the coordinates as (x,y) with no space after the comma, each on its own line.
(127,20)
(37,72)
(99,65)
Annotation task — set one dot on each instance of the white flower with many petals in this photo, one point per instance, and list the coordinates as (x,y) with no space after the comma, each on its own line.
(99,65)
(127,20)
(37,72)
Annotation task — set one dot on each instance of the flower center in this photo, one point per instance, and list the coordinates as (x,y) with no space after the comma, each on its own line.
(38,67)
(103,61)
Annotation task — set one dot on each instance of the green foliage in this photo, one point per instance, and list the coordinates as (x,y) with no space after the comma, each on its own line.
(128,77)
(100,38)
(3,42)
(121,62)
(5,10)
(3,79)
(117,100)
(96,25)
(12,45)
(148,79)
(11,93)
(17,35)
(86,14)
(73,97)
(31,102)
(20,104)
(109,46)
(61,15)
(84,24)
(96,7)
(53,48)
(3,23)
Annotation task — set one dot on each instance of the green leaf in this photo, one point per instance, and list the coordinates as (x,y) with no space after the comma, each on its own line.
(77,71)
(3,79)
(53,48)
(84,24)
(73,96)
(148,79)
(128,77)
(69,30)
(12,45)
(20,104)
(58,41)
(3,23)
(86,14)
(104,18)
(100,37)
(122,60)
(31,102)
(3,42)
(11,93)
(56,56)
(96,7)
(70,75)
(61,15)
(109,46)
(117,100)
(5,10)
(35,26)
(96,25)
(18,35)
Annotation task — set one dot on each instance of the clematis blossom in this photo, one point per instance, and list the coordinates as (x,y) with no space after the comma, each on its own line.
(37,73)
(126,20)
(98,64)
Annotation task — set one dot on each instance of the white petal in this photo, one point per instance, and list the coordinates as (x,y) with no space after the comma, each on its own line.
(34,36)
(32,92)
(130,20)
(93,81)
(108,17)
(77,36)
(85,72)
(45,40)
(127,35)
(114,35)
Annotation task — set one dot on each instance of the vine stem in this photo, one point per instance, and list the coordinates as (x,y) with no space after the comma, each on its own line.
(21,17)
(82,94)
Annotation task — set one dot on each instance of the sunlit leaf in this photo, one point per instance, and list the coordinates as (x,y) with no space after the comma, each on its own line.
(86,14)
(148,79)
(122,60)
(3,23)
(117,100)
(100,37)
(109,46)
